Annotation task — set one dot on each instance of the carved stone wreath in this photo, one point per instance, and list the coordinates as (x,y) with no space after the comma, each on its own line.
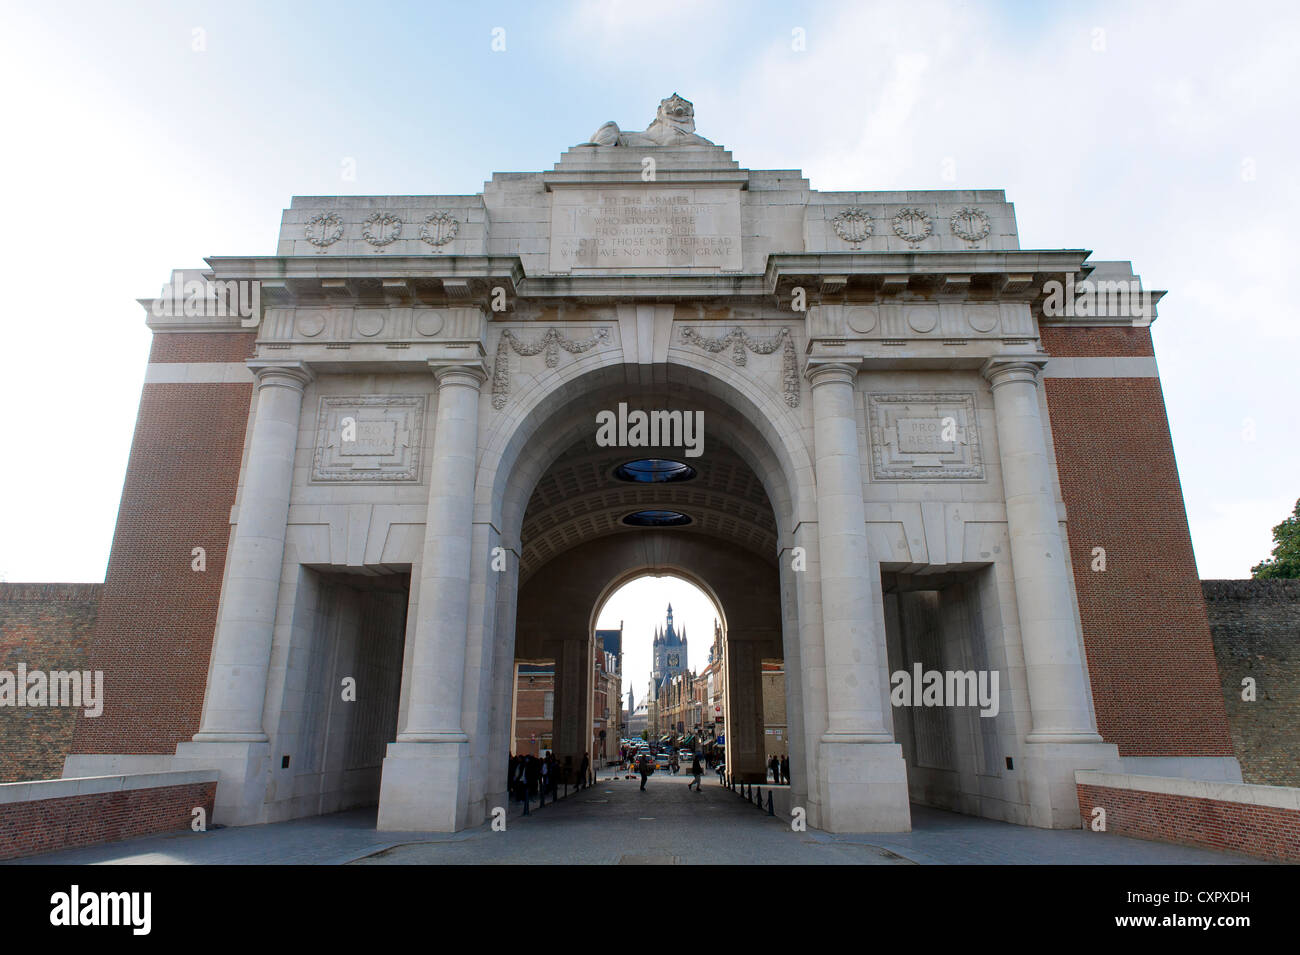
(324,228)
(912,225)
(853,226)
(550,343)
(439,228)
(970,224)
(739,341)
(381,228)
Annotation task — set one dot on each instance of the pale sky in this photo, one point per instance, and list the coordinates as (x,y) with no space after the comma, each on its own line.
(141,137)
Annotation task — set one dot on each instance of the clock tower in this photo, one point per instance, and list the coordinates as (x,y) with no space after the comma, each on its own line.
(669,651)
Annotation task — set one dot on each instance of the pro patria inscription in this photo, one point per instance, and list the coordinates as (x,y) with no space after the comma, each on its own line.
(649,228)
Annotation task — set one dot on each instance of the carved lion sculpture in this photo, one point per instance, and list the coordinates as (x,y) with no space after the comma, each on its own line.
(674,125)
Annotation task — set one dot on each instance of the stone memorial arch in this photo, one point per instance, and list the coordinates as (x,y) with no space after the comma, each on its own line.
(911,460)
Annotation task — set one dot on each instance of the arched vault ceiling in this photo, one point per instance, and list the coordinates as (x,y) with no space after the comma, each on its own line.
(578,499)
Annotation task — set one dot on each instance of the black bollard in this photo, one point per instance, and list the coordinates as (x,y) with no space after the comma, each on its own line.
(758,797)
(770,811)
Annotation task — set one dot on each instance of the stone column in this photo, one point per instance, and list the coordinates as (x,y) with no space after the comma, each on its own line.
(1054,670)
(425,770)
(865,779)
(1064,737)
(853,648)
(231,737)
(241,650)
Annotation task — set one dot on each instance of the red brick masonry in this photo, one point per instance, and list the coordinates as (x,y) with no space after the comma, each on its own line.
(1269,832)
(48,627)
(35,826)
(1155,682)
(153,635)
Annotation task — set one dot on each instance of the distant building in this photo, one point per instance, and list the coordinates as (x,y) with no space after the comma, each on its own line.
(534,708)
(606,706)
(669,651)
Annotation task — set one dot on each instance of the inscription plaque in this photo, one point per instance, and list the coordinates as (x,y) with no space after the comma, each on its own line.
(371,439)
(924,437)
(374,439)
(651,228)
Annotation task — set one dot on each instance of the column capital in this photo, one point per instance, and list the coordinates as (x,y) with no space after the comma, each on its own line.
(821,371)
(282,372)
(1003,369)
(471,373)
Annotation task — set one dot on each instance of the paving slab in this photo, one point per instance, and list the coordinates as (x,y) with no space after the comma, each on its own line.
(615,823)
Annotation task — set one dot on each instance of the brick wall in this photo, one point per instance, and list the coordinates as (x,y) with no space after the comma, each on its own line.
(1269,832)
(47,627)
(1154,679)
(530,711)
(69,822)
(1256,629)
(157,617)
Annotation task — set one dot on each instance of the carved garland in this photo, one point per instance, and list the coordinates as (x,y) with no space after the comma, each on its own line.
(381,228)
(439,228)
(550,343)
(970,224)
(853,225)
(912,225)
(324,228)
(740,340)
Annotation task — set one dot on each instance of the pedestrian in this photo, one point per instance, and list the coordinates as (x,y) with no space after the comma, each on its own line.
(697,771)
(774,765)
(674,765)
(785,768)
(521,780)
(644,768)
(582,772)
(533,773)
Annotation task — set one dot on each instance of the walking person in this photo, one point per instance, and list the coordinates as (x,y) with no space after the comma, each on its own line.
(643,767)
(697,771)
(785,768)
(582,771)
(774,765)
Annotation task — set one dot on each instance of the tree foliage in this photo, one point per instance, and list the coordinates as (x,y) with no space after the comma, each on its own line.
(1285,561)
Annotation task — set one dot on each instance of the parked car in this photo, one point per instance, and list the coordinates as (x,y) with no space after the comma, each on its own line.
(662,760)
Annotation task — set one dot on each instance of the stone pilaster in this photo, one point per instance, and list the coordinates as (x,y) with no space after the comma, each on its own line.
(231,737)
(863,774)
(1064,735)
(241,650)
(425,770)
(1054,668)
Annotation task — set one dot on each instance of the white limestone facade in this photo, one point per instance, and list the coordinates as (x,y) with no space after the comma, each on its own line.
(421,502)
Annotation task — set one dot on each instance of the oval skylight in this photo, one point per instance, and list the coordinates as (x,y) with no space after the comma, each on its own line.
(656,519)
(654,471)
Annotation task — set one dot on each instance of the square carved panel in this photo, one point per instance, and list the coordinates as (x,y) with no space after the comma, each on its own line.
(924,437)
(369,439)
